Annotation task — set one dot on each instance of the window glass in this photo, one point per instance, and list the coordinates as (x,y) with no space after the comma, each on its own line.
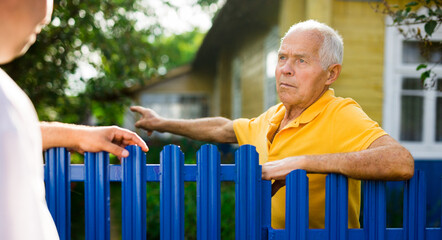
(439,119)
(411,118)
(176,106)
(412,84)
(412,52)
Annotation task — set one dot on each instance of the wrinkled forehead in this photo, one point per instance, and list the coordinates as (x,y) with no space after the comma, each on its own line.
(302,40)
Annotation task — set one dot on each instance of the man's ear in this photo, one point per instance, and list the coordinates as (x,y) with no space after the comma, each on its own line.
(333,73)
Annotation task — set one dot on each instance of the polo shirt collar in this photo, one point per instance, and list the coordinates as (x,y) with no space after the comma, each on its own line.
(308,115)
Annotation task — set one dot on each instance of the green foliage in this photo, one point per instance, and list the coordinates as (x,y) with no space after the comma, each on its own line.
(426,12)
(177,50)
(429,14)
(207,2)
(430,26)
(103,35)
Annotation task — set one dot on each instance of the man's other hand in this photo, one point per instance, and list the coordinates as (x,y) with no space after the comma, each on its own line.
(148,119)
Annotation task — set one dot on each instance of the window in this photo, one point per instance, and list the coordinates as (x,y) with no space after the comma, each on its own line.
(178,106)
(271,50)
(413,111)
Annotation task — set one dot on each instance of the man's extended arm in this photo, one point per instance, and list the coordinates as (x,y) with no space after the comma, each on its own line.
(214,129)
(89,139)
(385,159)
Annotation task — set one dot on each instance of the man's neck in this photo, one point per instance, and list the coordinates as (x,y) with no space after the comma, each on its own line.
(294,112)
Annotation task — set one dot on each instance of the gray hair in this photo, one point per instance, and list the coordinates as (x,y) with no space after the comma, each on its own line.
(332,48)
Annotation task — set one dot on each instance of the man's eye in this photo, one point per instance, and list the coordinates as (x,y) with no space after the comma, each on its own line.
(281,57)
(301,60)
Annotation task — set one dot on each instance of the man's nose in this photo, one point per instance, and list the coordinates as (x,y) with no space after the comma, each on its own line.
(287,69)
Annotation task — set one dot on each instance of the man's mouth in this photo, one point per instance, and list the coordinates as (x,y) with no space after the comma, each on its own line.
(284,84)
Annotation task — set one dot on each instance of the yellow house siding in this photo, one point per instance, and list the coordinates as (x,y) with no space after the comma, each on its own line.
(252,62)
(362,72)
(291,12)
(320,10)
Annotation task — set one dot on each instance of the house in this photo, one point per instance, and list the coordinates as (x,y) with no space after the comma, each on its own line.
(233,71)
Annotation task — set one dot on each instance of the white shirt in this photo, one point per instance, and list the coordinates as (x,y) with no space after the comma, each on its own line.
(23,210)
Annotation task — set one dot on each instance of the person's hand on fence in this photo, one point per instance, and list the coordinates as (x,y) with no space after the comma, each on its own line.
(279,169)
(111,139)
(148,119)
(82,139)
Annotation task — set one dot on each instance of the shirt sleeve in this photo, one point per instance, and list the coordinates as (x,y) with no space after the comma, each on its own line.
(249,131)
(243,129)
(353,129)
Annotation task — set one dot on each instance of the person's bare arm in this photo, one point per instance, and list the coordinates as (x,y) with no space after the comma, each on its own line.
(385,159)
(82,139)
(213,129)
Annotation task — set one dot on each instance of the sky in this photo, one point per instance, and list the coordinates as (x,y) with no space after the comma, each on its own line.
(183,18)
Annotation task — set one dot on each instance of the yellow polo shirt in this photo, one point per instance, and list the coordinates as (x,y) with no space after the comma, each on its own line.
(330,125)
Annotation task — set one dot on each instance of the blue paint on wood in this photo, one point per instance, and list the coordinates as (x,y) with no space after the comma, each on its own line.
(172,193)
(247,194)
(208,193)
(58,189)
(97,196)
(133,192)
(296,211)
(252,198)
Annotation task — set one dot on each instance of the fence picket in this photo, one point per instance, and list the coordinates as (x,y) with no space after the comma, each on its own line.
(266,206)
(247,194)
(252,198)
(415,207)
(58,189)
(97,196)
(296,211)
(172,193)
(133,191)
(208,193)
(336,207)
(374,210)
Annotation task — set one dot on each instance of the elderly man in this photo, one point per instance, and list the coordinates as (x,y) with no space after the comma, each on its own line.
(311,129)
(23,210)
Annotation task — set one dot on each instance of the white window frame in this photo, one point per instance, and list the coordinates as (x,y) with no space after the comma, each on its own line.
(394,71)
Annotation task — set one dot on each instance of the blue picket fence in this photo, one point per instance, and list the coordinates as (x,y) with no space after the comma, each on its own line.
(252,198)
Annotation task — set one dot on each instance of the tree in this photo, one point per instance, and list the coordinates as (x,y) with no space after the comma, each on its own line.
(426,13)
(103,35)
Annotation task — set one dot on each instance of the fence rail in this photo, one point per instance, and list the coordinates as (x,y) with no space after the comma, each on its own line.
(252,198)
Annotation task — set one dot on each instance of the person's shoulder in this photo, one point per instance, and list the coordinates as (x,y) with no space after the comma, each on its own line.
(340,103)
(346,111)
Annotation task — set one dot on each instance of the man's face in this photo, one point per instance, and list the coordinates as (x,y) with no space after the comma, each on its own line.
(300,79)
(20,22)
